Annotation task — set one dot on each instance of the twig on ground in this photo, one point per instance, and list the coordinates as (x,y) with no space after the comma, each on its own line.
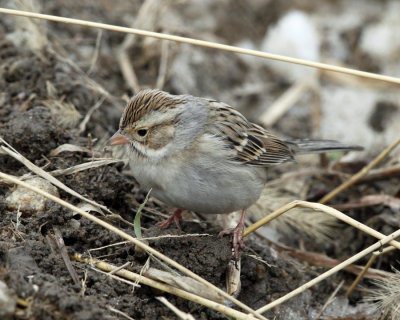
(182,315)
(355,178)
(162,70)
(145,19)
(122,275)
(82,125)
(131,239)
(323,208)
(382,173)
(331,298)
(332,271)
(119,312)
(285,102)
(371,200)
(366,268)
(59,244)
(96,52)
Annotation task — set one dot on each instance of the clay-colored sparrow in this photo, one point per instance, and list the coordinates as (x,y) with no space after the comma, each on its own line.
(202,155)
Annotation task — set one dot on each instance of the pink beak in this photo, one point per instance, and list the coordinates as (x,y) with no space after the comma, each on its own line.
(117,139)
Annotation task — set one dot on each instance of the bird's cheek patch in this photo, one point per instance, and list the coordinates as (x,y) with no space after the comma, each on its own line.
(160,136)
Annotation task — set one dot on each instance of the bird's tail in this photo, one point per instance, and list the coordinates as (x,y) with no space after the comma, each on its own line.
(319,146)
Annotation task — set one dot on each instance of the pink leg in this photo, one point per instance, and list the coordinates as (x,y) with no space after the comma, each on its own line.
(176,217)
(237,240)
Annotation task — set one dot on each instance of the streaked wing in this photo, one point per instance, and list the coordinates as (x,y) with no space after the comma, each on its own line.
(252,143)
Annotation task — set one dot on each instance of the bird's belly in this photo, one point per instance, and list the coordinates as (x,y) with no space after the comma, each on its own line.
(204,189)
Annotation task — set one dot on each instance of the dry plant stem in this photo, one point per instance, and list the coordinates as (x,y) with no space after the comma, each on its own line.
(162,71)
(285,102)
(131,239)
(143,19)
(127,71)
(203,43)
(82,125)
(47,176)
(182,315)
(330,300)
(322,208)
(360,174)
(82,167)
(332,271)
(96,52)
(322,260)
(120,313)
(382,173)
(163,287)
(59,241)
(365,269)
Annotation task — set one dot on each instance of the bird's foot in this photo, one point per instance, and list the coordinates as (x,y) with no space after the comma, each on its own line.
(237,240)
(176,217)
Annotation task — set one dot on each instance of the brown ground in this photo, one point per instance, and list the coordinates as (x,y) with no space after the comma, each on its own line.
(37,274)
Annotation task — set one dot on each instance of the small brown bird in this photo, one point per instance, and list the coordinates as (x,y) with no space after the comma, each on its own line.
(202,155)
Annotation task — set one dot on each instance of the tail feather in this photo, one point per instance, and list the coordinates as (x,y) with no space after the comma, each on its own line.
(319,146)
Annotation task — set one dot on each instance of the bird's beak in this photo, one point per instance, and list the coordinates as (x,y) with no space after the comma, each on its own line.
(117,139)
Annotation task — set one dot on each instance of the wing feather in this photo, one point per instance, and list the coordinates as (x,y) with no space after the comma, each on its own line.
(253,144)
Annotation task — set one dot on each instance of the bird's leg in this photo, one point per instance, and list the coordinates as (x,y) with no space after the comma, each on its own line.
(176,217)
(237,240)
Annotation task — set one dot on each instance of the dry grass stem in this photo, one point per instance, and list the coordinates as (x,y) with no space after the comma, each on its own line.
(185,283)
(83,166)
(203,43)
(120,313)
(160,286)
(45,175)
(67,147)
(285,102)
(323,208)
(382,173)
(332,271)
(60,245)
(181,315)
(316,225)
(155,238)
(371,200)
(146,19)
(362,173)
(162,71)
(331,298)
(366,268)
(233,283)
(96,51)
(321,260)
(126,236)
(82,125)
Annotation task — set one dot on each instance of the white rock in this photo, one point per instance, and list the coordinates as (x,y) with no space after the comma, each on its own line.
(346,113)
(28,201)
(381,39)
(8,301)
(295,35)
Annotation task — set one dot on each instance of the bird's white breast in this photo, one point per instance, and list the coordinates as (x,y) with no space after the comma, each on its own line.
(201,179)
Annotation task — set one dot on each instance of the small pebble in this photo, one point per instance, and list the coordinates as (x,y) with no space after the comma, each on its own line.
(8,301)
(27,201)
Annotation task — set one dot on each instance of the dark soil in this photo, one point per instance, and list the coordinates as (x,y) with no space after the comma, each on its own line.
(37,273)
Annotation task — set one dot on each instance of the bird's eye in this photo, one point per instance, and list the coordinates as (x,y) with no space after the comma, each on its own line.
(142,132)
